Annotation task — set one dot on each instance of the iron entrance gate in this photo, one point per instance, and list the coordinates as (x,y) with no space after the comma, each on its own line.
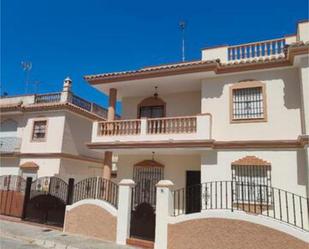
(144,202)
(47,199)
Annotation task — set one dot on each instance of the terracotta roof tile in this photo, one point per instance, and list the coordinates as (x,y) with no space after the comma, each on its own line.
(250,160)
(29,165)
(191,65)
(153,68)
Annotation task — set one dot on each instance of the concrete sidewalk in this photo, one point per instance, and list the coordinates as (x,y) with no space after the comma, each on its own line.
(50,238)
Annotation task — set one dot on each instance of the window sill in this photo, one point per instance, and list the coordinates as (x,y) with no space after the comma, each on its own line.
(249,120)
(38,140)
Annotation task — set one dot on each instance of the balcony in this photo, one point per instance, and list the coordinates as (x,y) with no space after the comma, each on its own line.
(73,99)
(9,144)
(259,50)
(153,129)
(52,98)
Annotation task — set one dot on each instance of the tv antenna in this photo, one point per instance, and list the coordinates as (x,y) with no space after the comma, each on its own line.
(36,85)
(26,66)
(182,26)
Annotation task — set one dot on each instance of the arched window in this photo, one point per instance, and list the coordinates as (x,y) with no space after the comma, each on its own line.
(152,107)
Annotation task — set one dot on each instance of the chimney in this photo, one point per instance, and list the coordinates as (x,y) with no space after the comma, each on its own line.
(67,85)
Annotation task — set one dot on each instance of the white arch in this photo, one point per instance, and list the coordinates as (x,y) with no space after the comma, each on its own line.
(100,203)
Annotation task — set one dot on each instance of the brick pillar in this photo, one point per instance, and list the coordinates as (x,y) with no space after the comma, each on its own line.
(108,155)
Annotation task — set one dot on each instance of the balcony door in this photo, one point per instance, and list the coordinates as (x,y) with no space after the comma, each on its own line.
(151,112)
(152,107)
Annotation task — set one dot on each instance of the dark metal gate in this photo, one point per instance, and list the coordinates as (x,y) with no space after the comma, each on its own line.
(46,198)
(12,193)
(144,202)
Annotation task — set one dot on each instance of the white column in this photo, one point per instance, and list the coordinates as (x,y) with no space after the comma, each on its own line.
(124,210)
(143,126)
(307,163)
(164,208)
(304,83)
(203,126)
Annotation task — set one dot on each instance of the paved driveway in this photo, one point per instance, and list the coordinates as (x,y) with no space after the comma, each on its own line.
(14,243)
(21,235)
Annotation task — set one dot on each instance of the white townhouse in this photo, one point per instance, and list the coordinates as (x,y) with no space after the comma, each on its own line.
(45,135)
(229,131)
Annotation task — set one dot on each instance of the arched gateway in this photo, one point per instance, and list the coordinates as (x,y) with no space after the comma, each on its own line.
(146,175)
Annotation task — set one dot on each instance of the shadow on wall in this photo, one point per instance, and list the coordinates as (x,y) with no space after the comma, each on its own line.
(210,158)
(289,77)
(291,90)
(302,170)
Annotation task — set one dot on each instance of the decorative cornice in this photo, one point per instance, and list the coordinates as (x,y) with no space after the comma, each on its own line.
(250,160)
(51,155)
(149,163)
(212,144)
(50,106)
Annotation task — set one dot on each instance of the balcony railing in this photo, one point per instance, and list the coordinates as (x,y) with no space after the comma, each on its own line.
(154,126)
(181,128)
(257,49)
(171,125)
(120,127)
(73,99)
(84,104)
(47,98)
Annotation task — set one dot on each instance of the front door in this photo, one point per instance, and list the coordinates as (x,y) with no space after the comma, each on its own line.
(144,202)
(193,192)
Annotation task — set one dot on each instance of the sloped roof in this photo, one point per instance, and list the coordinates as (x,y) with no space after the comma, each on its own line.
(29,165)
(202,65)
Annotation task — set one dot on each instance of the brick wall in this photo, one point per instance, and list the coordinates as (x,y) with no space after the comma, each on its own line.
(91,220)
(214,233)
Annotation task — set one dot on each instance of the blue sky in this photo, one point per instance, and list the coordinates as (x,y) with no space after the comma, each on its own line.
(75,38)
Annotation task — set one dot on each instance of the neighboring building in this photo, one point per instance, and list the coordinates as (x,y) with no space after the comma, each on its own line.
(240,113)
(45,135)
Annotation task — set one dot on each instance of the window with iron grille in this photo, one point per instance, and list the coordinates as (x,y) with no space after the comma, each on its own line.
(248,103)
(39,130)
(252,183)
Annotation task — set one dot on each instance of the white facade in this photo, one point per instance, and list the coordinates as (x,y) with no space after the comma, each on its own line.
(62,152)
(197,131)
(192,94)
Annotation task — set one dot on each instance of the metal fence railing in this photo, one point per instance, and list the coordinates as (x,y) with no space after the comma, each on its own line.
(263,200)
(96,188)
